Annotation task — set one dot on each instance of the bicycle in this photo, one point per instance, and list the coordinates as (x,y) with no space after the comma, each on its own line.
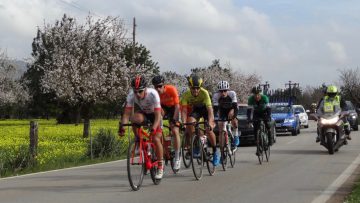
(141,157)
(200,152)
(227,150)
(169,151)
(262,143)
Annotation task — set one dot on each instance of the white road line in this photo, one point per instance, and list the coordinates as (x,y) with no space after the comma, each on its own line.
(292,141)
(44,172)
(328,192)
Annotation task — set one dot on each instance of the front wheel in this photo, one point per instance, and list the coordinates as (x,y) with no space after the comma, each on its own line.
(197,157)
(330,143)
(135,165)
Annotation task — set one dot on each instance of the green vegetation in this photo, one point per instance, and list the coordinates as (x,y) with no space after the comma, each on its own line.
(59,145)
(354,197)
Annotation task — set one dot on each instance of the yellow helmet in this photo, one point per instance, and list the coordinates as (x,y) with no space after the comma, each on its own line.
(195,81)
(331,89)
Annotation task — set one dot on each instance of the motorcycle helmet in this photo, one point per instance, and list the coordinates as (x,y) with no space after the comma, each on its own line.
(331,91)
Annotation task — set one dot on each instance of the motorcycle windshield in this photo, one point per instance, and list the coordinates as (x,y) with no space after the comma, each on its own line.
(330,115)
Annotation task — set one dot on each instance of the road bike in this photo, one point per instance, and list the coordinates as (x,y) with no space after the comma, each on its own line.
(141,157)
(201,152)
(262,142)
(169,151)
(226,147)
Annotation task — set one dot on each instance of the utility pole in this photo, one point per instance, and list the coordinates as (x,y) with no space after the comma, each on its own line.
(133,45)
(291,87)
(265,87)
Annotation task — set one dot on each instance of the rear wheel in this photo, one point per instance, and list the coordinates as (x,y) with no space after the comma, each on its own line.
(185,151)
(209,160)
(135,165)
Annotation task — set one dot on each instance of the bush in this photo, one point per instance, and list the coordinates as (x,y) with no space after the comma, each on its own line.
(15,159)
(104,144)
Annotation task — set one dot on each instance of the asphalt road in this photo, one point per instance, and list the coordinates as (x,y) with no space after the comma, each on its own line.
(299,170)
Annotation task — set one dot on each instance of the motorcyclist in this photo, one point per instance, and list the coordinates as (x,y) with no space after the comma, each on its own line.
(330,103)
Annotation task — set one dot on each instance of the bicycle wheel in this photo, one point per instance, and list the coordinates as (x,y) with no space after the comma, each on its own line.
(209,160)
(154,168)
(197,156)
(185,151)
(267,147)
(231,153)
(224,151)
(135,165)
(259,147)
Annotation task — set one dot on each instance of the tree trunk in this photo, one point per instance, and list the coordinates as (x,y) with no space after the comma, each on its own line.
(86,114)
(33,138)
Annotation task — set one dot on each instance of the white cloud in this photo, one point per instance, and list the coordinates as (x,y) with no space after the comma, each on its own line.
(338,52)
(184,34)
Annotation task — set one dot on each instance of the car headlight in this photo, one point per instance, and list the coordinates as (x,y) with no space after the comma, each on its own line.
(329,121)
(353,116)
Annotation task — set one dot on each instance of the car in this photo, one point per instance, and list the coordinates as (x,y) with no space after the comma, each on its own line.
(286,120)
(246,130)
(304,119)
(353,117)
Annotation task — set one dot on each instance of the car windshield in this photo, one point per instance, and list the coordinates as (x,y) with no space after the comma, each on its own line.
(349,105)
(242,110)
(280,109)
(299,109)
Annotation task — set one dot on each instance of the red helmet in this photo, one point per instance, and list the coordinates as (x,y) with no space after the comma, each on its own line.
(139,82)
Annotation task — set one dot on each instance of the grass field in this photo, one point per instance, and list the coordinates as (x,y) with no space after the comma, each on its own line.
(59,146)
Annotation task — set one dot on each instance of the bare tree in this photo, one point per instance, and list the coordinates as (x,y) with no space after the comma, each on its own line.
(350,84)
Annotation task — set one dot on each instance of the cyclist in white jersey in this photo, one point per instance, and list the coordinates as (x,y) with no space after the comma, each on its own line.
(226,108)
(148,101)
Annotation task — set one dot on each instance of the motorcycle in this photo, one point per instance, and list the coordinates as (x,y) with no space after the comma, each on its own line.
(330,127)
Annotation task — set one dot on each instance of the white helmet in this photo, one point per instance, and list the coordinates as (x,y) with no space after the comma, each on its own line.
(223,85)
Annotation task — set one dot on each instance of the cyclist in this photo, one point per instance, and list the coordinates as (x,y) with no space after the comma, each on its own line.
(329,103)
(169,100)
(148,101)
(261,109)
(226,108)
(196,104)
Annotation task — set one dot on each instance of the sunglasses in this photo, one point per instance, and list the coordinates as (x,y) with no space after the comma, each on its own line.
(158,86)
(222,90)
(138,91)
(195,88)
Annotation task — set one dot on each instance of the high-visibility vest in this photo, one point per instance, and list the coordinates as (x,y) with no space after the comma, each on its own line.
(331,103)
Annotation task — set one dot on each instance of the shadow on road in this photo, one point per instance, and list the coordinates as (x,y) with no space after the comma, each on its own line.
(299,151)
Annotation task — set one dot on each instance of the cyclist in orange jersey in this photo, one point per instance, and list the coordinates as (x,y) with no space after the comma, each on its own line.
(169,99)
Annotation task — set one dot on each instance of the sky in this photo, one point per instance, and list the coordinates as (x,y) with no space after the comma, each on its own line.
(306,42)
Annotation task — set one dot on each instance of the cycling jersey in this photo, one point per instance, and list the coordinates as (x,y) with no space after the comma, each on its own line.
(170,96)
(149,104)
(225,104)
(203,99)
(259,106)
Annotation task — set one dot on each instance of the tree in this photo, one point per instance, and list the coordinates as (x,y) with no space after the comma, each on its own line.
(11,90)
(350,84)
(239,82)
(82,64)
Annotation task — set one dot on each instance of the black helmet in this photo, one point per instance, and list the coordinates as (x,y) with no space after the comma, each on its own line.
(158,80)
(255,90)
(139,82)
(195,81)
